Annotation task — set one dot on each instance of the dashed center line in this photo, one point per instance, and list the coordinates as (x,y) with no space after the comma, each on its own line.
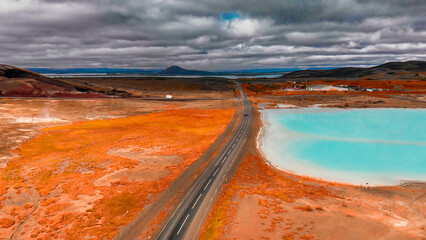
(183,224)
(196,201)
(214,174)
(207,184)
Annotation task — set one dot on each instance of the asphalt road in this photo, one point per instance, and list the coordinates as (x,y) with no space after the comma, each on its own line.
(208,185)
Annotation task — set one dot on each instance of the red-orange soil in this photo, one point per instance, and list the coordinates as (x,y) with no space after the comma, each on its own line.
(263,203)
(86,179)
(391,87)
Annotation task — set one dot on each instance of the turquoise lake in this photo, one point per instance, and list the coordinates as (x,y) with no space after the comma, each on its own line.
(374,146)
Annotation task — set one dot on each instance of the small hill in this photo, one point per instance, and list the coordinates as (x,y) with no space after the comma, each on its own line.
(18,82)
(410,66)
(389,68)
(176,70)
(338,72)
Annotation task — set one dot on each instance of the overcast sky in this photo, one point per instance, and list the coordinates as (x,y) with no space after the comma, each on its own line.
(210,34)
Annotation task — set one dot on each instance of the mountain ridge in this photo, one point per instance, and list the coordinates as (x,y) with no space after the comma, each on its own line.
(389,68)
(176,70)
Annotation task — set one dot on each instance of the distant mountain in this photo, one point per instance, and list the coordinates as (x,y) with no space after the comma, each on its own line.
(389,68)
(338,72)
(18,82)
(176,70)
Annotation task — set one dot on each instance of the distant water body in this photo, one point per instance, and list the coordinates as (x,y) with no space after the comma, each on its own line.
(358,146)
(95,75)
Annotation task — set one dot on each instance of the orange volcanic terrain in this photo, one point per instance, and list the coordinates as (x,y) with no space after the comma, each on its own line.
(261,202)
(390,87)
(86,179)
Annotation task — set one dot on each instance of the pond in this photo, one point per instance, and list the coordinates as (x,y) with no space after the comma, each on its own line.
(358,146)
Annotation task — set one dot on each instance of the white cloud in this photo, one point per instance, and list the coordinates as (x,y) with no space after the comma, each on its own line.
(14,6)
(158,33)
(190,23)
(37,10)
(376,23)
(304,37)
(245,28)
(275,61)
(203,40)
(398,47)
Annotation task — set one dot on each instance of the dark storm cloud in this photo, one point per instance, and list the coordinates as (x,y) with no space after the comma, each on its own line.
(194,34)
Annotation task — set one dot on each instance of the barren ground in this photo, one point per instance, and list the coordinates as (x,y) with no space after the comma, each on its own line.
(180,88)
(261,202)
(345,101)
(397,93)
(75,169)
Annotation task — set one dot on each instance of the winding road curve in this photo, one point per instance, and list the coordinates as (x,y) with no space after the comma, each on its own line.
(187,220)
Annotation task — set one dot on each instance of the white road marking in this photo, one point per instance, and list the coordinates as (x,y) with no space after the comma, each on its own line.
(196,201)
(207,184)
(214,174)
(182,224)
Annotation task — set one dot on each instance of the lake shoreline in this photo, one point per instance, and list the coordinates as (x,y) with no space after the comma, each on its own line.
(260,141)
(261,196)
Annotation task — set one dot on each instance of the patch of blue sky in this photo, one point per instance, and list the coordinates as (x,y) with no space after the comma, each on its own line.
(228,16)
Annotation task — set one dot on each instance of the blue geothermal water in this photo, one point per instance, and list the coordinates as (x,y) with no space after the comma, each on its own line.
(374,146)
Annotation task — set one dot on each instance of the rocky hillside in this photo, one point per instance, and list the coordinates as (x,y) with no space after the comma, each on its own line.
(388,69)
(18,82)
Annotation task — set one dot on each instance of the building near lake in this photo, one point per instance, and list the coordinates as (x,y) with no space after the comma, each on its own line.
(292,89)
(322,87)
